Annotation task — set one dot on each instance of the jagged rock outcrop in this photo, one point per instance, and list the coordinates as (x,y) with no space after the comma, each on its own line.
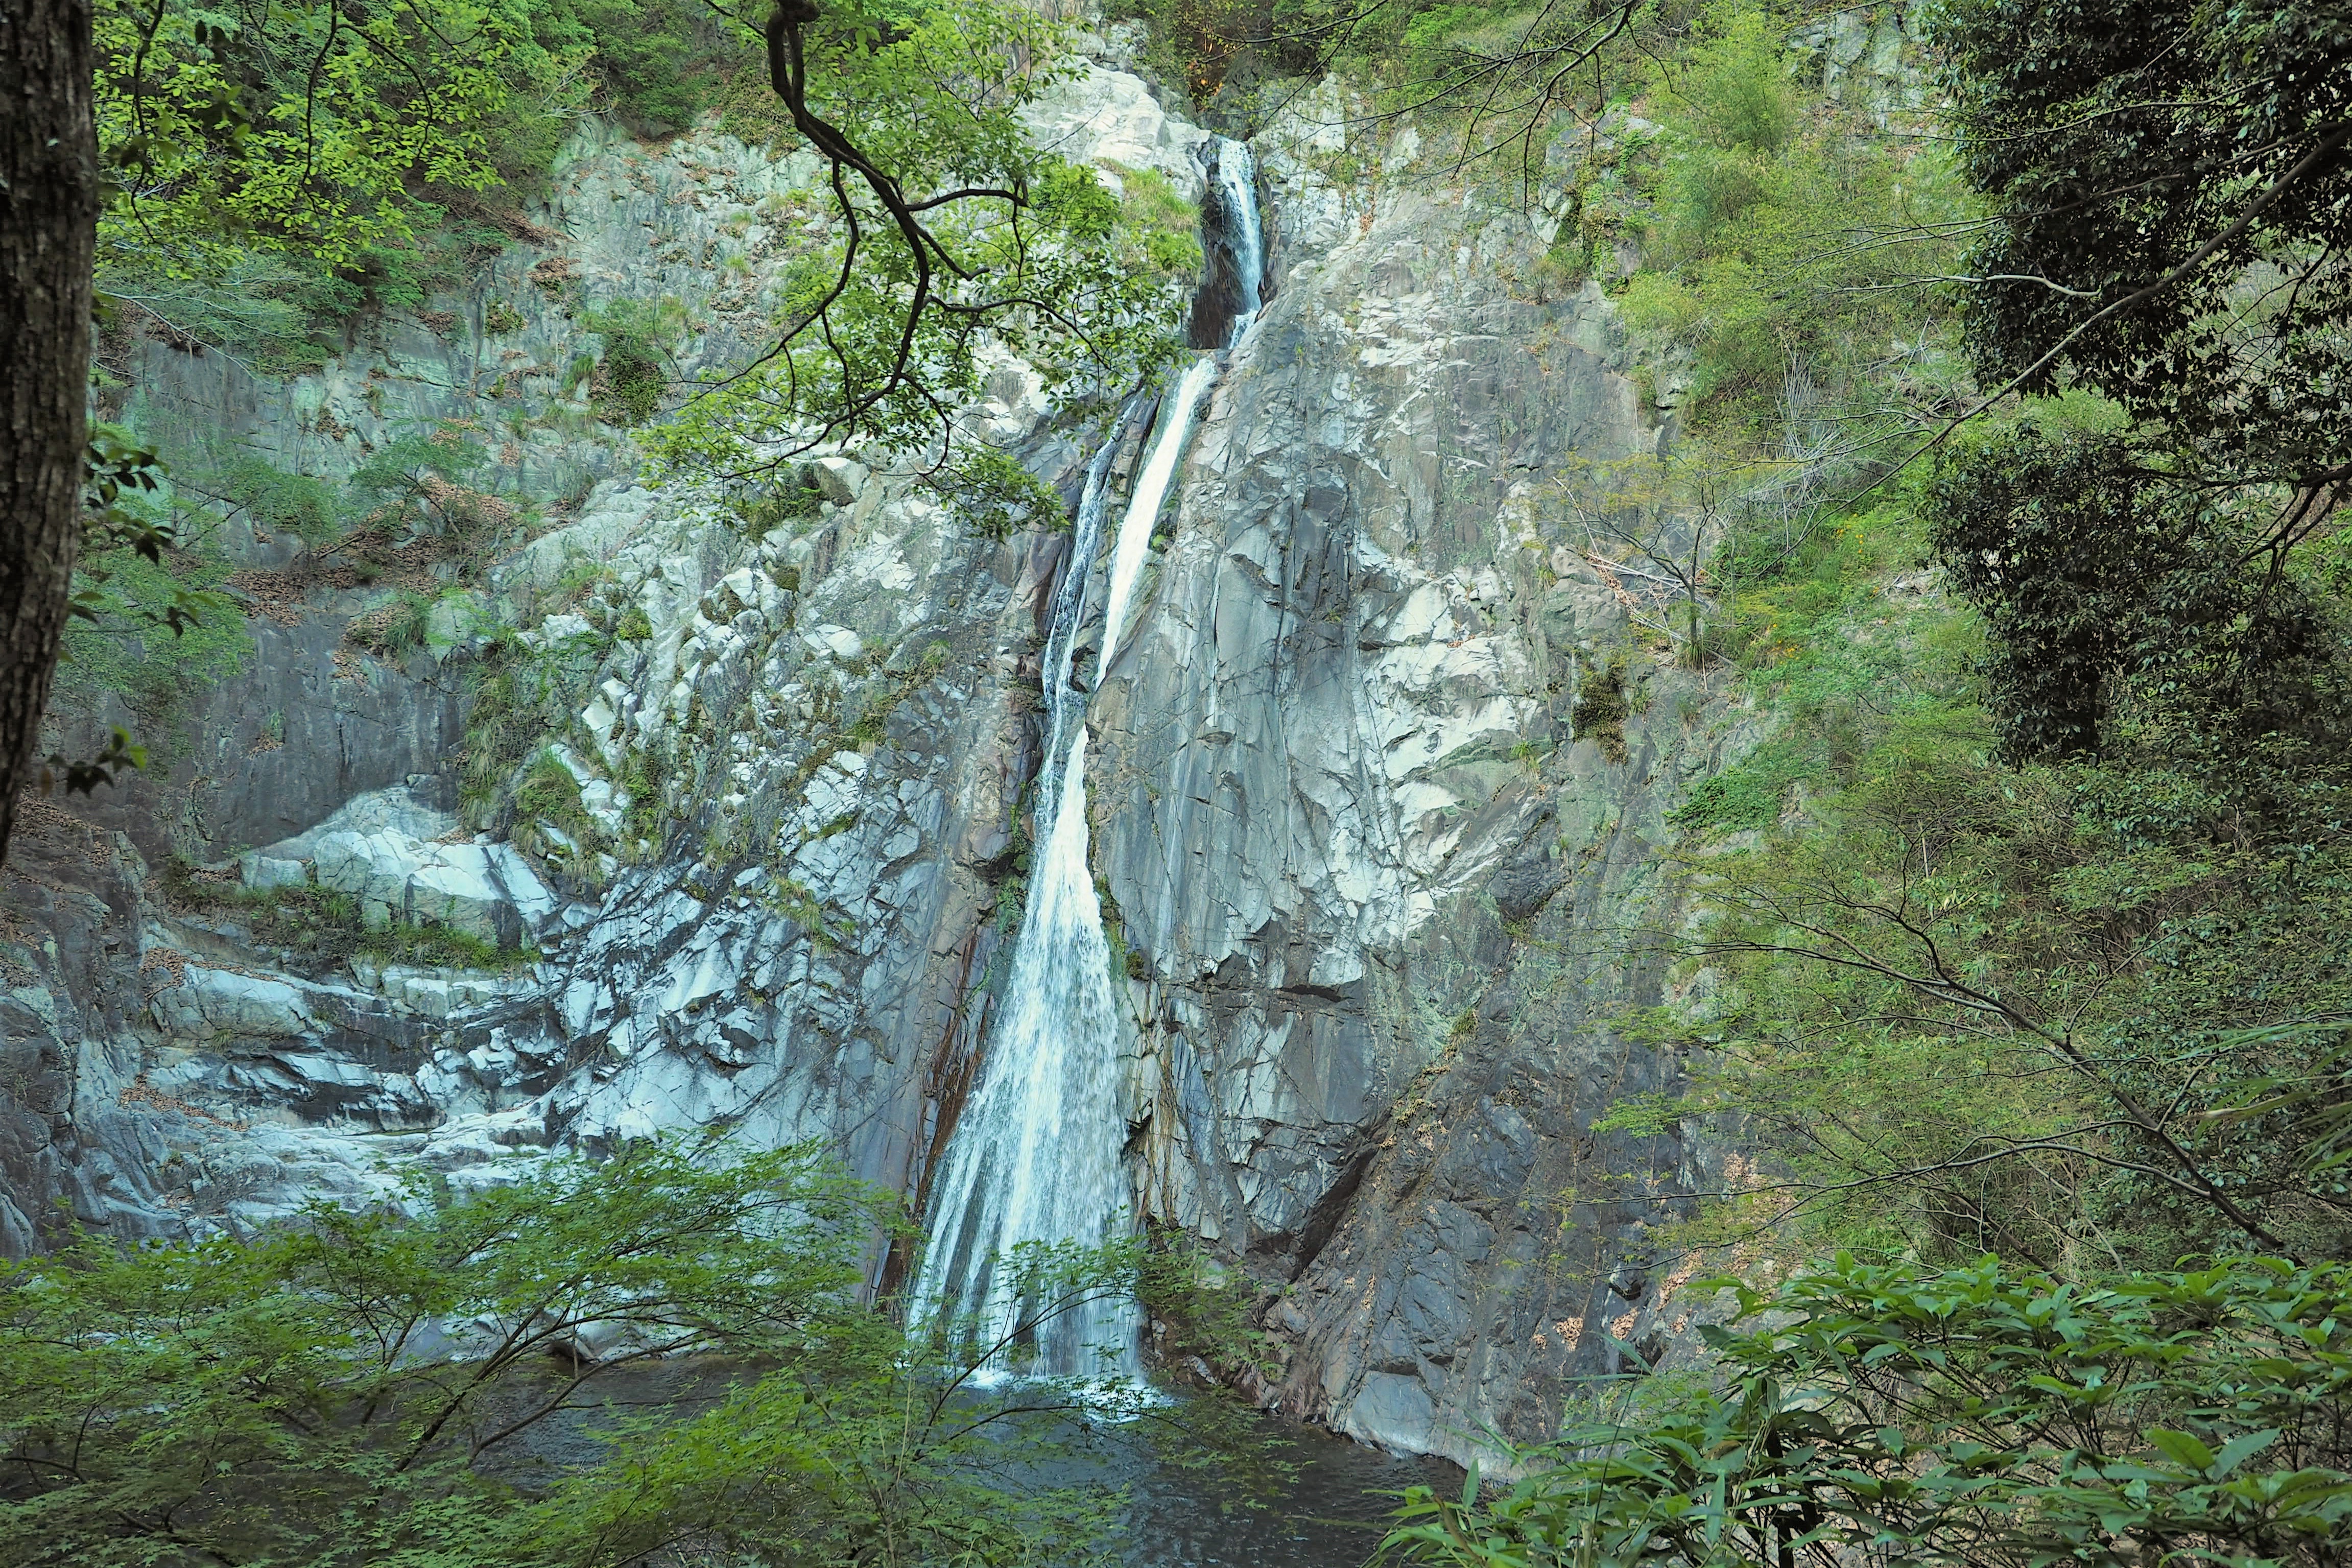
(1364,874)
(1371,875)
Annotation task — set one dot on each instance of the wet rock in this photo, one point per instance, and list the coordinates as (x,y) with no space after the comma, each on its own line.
(1392,1411)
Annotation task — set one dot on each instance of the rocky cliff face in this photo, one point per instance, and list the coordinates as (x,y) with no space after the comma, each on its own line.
(1363,874)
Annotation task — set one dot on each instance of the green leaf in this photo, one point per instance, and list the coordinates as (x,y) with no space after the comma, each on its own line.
(2182,1449)
(2241,1448)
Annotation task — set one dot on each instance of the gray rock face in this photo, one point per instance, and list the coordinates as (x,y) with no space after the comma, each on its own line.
(1366,880)
(1342,818)
(487,891)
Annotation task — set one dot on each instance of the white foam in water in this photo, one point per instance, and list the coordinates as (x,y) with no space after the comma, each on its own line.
(1034,1157)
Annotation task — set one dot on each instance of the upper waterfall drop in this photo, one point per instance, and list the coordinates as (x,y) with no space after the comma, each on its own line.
(1151,489)
(1237,183)
(1034,1160)
(1234,286)
(1235,173)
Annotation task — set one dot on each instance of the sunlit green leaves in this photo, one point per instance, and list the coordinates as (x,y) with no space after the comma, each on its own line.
(887,336)
(579,1366)
(1981,1416)
(303,126)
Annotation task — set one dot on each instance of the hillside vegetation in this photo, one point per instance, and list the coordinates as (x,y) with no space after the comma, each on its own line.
(2014,441)
(2009,417)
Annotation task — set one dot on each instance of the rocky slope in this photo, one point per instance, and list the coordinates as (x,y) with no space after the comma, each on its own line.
(1363,874)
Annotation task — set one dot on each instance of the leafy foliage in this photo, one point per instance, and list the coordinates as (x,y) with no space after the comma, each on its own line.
(946,227)
(997,496)
(419,481)
(301,128)
(149,620)
(549,793)
(2168,229)
(272,500)
(450,1380)
(658,60)
(1977,1416)
(1782,247)
(633,374)
(2110,592)
(2170,222)
(1965,1007)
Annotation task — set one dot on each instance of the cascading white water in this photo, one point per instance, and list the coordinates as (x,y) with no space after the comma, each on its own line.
(1151,489)
(1237,185)
(1035,1156)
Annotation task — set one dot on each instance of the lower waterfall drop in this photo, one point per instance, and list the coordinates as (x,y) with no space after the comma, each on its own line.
(1034,1157)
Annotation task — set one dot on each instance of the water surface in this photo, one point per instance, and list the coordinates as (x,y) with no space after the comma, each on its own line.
(1327,1515)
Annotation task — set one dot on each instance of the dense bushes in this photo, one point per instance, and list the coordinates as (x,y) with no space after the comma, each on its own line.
(292,165)
(1780,238)
(1984,1415)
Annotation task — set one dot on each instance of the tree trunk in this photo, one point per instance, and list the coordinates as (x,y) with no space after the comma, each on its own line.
(49,222)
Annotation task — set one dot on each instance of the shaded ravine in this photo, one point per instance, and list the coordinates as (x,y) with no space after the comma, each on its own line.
(1034,1160)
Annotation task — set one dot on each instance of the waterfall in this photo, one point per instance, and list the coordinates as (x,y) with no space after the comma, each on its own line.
(1236,176)
(1151,491)
(1035,1158)
(1234,248)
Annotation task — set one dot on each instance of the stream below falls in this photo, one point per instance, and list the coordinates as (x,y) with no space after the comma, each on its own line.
(1328,1515)
(1238,1489)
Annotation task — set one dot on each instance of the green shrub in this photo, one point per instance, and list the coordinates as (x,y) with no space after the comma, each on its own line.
(501,726)
(270,311)
(791,500)
(452,451)
(133,650)
(1735,88)
(1756,197)
(440,947)
(1159,227)
(1600,707)
(661,61)
(394,630)
(501,317)
(278,501)
(549,793)
(1750,793)
(637,335)
(1905,1415)
(997,496)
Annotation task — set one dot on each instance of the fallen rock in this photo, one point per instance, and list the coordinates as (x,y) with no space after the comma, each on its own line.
(259,870)
(485,890)
(211,1002)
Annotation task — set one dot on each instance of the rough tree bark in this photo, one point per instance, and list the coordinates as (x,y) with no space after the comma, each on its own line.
(48,218)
